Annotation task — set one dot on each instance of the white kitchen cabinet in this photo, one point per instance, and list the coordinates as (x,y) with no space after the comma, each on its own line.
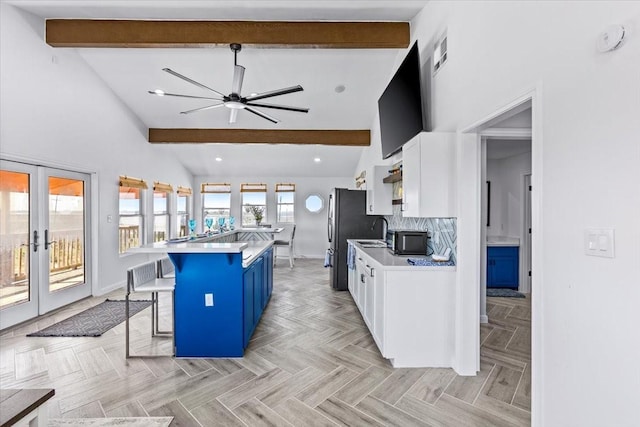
(429,175)
(409,311)
(379,194)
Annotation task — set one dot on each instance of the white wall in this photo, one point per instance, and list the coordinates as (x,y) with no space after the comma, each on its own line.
(55,110)
(311,228)
(507,185)
(587,157)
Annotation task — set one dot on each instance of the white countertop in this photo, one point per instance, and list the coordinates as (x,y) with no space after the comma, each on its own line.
(502,241)
(207,237)
(250,250)
(388,261)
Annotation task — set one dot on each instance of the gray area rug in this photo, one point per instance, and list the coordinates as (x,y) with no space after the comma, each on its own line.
(94,321)
(111,422)
(505,293)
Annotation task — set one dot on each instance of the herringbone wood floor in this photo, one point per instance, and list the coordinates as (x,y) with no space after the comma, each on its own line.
(311,362)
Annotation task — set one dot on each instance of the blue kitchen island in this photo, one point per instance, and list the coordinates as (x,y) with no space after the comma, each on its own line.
(221,291)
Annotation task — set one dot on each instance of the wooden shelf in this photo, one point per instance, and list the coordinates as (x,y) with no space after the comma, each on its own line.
(392,178)
(396,202)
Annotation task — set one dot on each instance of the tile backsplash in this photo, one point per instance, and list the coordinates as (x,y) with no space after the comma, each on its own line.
(442,231)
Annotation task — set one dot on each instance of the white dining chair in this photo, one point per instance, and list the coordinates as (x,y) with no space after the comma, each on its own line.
(286,242)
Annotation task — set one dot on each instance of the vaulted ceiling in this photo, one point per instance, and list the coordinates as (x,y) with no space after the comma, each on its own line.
(322,72)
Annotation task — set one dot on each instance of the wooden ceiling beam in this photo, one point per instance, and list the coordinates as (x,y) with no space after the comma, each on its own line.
(89,33)
(354,138)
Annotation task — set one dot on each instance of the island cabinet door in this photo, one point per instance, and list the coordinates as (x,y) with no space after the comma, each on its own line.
(258,284)
(267,278)
(248,301)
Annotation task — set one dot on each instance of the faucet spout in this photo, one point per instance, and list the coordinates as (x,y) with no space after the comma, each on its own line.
(384,228)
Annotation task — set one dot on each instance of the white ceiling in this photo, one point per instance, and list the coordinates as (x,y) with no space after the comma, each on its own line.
(130,73)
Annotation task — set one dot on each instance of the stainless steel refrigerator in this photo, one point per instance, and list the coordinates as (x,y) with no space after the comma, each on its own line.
(347,219)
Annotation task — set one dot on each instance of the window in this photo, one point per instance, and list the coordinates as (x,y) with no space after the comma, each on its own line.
(161,215)
(314,203)
(254,203)
(216,201)
(285,199)
(183,207)
(131,224)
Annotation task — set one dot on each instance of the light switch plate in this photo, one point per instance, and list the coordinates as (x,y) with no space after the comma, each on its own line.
(599,242)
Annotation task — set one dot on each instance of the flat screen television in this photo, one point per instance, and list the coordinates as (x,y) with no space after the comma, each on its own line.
(400,107)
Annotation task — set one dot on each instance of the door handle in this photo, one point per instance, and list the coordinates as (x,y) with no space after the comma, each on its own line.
(35,241)
(47,243)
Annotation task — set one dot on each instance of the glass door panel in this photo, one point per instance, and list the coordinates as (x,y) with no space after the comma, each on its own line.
(64,273)
(65,235)
(18,285)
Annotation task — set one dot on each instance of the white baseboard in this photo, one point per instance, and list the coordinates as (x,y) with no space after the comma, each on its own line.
(110,288)
(484,318)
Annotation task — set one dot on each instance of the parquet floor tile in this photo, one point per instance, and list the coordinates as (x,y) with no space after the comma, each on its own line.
(311,362)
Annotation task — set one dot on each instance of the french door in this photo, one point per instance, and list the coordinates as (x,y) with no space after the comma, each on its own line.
(44,240)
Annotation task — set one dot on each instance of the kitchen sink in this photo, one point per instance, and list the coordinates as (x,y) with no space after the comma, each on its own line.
(371,244)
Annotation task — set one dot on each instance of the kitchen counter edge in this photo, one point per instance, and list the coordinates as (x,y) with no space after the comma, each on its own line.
(385,259)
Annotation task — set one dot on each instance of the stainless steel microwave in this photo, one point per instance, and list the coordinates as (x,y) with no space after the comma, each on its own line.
(407,242)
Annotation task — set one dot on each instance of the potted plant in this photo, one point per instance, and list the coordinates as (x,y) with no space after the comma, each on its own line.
(257,212)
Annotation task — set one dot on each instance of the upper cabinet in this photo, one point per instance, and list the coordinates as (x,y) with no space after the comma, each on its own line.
(429,174)
(379,194)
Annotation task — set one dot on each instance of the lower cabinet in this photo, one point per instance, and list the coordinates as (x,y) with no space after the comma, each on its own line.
(409,312)
(503,267)
(257,287)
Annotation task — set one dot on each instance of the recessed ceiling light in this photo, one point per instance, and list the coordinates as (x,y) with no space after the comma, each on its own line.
(317,159)
(159,92)
(218,159)
(340,88)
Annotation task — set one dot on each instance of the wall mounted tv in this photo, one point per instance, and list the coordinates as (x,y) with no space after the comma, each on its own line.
(400,106)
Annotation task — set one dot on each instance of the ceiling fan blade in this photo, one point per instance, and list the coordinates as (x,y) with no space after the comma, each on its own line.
(193,82)
(276,92)
(278,107)
(233,115)
(152,92)
(238,75)
(261,114)
(202,108)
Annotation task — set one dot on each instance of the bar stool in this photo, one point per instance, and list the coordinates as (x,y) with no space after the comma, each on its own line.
(143,278)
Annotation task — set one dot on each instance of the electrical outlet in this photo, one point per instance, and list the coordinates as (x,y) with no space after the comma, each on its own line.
(208,300)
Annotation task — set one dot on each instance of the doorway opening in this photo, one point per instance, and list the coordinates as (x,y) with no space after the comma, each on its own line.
(516,122)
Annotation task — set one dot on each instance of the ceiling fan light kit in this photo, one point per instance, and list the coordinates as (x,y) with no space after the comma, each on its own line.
(235,101)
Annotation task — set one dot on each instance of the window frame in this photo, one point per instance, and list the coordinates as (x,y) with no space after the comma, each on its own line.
(167,190)
(140,186)
(285,189)
(215,188)
(252,188)
(187,194)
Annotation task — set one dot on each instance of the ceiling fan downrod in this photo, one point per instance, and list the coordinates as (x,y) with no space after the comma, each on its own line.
(235,47)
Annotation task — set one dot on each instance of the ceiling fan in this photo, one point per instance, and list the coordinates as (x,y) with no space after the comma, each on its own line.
(234,101)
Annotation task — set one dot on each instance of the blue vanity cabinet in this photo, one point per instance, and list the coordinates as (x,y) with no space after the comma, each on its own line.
(502,267)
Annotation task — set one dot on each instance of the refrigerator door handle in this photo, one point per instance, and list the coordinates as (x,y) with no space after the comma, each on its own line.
(330,219)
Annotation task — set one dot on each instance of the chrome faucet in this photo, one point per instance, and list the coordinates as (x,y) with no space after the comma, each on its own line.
(384,229)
